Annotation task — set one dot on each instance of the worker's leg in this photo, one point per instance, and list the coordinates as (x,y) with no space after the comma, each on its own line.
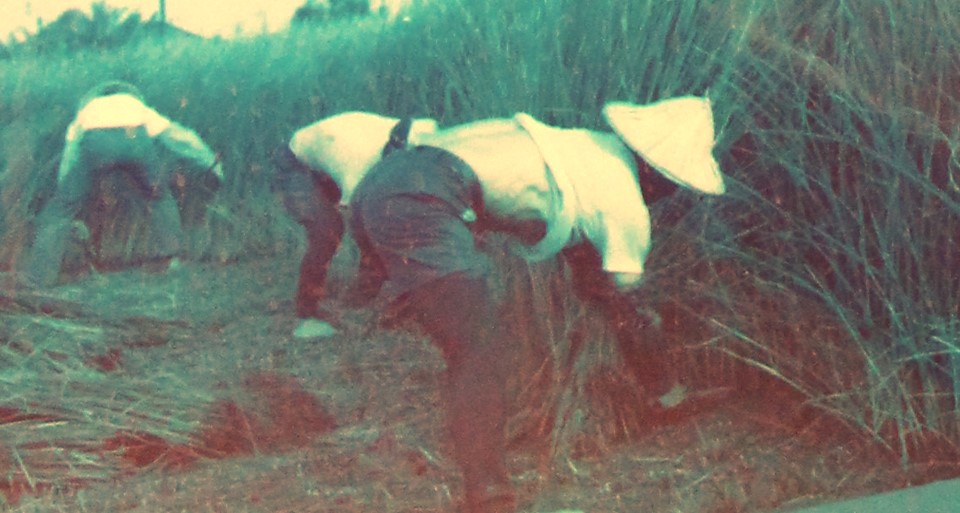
(324,233)
(411,211)
(165,228)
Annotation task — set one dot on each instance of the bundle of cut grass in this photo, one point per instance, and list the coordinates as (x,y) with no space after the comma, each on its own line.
(70,386)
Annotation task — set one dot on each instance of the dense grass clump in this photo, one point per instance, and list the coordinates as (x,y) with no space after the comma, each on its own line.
(859,206)
(832,265)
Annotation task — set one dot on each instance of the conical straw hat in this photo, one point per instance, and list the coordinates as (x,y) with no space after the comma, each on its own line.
(675,136)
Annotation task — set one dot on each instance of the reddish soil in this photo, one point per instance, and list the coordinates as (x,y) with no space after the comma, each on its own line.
(352,424)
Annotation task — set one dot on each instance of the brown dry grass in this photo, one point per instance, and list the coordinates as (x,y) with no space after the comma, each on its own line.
(184,392)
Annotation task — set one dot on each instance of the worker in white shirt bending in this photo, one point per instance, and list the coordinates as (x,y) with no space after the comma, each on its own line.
(316,172)
(577,193)
(115,131)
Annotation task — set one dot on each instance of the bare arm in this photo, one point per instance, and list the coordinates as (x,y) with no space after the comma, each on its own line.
(188,145)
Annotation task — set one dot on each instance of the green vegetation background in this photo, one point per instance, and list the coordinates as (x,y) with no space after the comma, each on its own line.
(832,264)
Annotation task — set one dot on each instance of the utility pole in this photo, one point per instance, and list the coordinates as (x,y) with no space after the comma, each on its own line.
(163,12)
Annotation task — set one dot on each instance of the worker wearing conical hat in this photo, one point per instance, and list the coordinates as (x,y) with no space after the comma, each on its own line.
(581,194)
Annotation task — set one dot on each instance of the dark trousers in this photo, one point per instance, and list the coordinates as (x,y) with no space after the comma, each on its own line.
(312,198)
(104,151)
(411,210)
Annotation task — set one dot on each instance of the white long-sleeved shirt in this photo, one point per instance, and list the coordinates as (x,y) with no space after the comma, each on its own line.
(582,183)
(127,111)
(345,146)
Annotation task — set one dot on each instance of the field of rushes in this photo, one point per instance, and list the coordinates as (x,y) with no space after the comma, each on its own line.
(836,123)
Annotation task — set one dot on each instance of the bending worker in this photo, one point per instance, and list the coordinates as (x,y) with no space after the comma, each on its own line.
(580,193)
(315,177)
(115,131)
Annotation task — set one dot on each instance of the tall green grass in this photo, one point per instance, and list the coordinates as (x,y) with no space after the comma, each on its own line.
(455,61)
(832,265)
(859,207)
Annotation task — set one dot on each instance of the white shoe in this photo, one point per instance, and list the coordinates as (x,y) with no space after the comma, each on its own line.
(314,328)
(674,397)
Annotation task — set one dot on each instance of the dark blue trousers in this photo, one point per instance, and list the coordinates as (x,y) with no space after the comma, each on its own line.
(312,198)
(415,210)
